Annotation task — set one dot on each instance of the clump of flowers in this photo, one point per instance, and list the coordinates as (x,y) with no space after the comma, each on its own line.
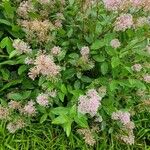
(12,127)
(115,43)
(146,78)
(58,23)
(124,117)
(137,3)
(4,113)
(45,2)
(98,118)
(52,93)
(89,103)
(141,21)
(60,16)
(84,62)
(42,99)
(146,5)
(44,64)
(85,51)
(123,22)
(55,50)
(24,8)
(33,73)
(37,29)
(128,139)
(28,61)
(127,128)
(87,136)
(14,105)
(29,109)
(89,4)
(21,46)
(137,67)
(116,5)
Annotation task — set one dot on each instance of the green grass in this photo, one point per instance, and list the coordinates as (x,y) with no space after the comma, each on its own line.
(48,137)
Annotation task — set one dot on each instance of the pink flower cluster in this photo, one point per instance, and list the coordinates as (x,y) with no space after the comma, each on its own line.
(55,50)
(42,99)
(24,8)
(124,117)
(85,54)
(21,46)
(137,3)
(128,126)
(14,105)
(141,21)
(12,127)
(145,4)
(112,5)
(147,78)
(136,67)
(128,139)
(123,22)
(45,2)
(28,61)
(4,113)
(85,51)
(115,43)
(87,136)
(44,64)
(29,109)
(89,103)
(115,5)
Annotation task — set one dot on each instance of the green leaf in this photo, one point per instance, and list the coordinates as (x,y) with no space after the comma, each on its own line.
(115,61)
(104,68)
(12,54)
(43,118)
(63,89)
(70,32)
(137,83)
(113,85)
(9,10)
(61,96)
(15,96)
(62,55)
(60,120)
(67,128)
(8,62)
(19,96)
(97,44)
(69,73)
(77,84)
(26,94)
(99,58)
(42,79)
(60,111)
(73,111)
(11,83)
(86,79)
(3,21)
(5,74)
(71,2)
(6,42)
(22,69)
(74,55)
(81,120)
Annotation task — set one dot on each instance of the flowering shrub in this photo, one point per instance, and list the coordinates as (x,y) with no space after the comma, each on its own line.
(81,65)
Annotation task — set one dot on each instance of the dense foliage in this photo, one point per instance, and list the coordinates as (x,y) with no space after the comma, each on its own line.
(77,65)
